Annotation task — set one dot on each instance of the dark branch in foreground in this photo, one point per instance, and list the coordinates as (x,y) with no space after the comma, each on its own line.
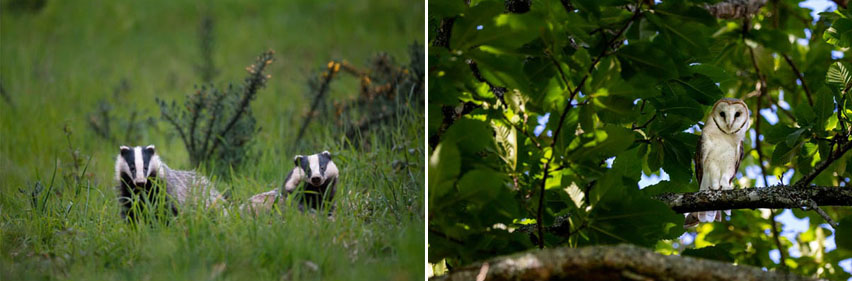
(773,197)
(622,262)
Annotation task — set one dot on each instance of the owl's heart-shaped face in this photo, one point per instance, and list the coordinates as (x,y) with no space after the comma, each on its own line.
(730,115)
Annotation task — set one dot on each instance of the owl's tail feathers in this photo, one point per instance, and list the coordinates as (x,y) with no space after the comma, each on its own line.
(692,219)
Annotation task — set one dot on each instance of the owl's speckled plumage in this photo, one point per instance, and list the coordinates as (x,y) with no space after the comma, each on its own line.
(719,152)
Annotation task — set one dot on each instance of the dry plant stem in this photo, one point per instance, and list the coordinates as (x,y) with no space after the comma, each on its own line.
(322,91)
(568,105)
(171,120)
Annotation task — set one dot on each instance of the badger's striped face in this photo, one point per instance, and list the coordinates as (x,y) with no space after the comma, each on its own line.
(317,168)
(135,164)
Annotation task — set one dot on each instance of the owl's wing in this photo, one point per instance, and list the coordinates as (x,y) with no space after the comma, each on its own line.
(737,166)
(699,158)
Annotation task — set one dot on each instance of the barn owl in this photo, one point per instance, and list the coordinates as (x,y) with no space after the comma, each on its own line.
(719,152)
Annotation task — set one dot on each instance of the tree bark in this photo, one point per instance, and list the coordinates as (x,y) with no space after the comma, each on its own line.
(622,262)
(773,197)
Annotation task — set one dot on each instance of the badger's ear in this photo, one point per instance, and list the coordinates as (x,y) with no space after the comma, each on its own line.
(150,149)
(327,154)
(297,160)
(123,148)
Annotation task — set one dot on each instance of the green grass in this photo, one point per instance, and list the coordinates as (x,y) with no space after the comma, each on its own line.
(56,63)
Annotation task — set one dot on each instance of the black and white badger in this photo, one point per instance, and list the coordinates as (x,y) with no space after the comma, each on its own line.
(318,172)
(138,170)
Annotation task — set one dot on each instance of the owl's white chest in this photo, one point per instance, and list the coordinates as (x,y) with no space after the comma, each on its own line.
(720,153)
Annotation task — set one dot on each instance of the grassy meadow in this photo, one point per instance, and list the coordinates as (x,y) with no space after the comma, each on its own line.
(58,210)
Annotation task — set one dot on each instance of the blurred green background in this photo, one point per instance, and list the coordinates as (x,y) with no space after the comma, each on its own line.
(59,59)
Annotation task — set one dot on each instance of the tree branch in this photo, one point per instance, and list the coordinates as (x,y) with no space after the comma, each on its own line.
(621,262)
(801,78)
(842,148)
(813,205)
(773,197)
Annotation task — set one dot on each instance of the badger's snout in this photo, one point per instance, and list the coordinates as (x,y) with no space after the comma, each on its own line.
(316,180)
(140,182)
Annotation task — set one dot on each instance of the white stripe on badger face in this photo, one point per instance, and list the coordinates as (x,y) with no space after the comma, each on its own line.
(139,178)
(330,170)
(153,165)
(313,161)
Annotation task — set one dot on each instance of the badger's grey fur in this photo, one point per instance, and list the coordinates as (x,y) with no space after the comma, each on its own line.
(140,173)
(318,172)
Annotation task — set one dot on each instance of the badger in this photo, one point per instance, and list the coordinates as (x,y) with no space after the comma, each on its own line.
(318,172)
(140,174)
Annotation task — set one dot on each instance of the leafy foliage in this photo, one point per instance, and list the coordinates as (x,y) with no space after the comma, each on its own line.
(550,117)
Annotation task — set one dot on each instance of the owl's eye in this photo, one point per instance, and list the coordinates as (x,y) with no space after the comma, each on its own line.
(722,114)
(737,114)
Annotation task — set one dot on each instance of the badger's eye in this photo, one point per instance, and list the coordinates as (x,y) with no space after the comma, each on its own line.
(737,114)
(722,114)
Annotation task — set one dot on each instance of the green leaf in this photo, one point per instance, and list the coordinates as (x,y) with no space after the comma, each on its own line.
(840,33)
(839,75)
(630,217)
(507,141)
(481,185)
(648,59)
(679,150)
(719,252)
(589,6)
(702,89)
(435,119)
(793,138)
(804,114)
(444,168)
(445,8)
(772,38)
(777,133)
(618,139)
(501,70)
(715,73)
(823,106)
(485,24)
(587,118)
(470,135)
(783,154)
(624,174)
(674,100)
(669,186)
(539,69)
(843,234)
(578,197)
(686,35)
